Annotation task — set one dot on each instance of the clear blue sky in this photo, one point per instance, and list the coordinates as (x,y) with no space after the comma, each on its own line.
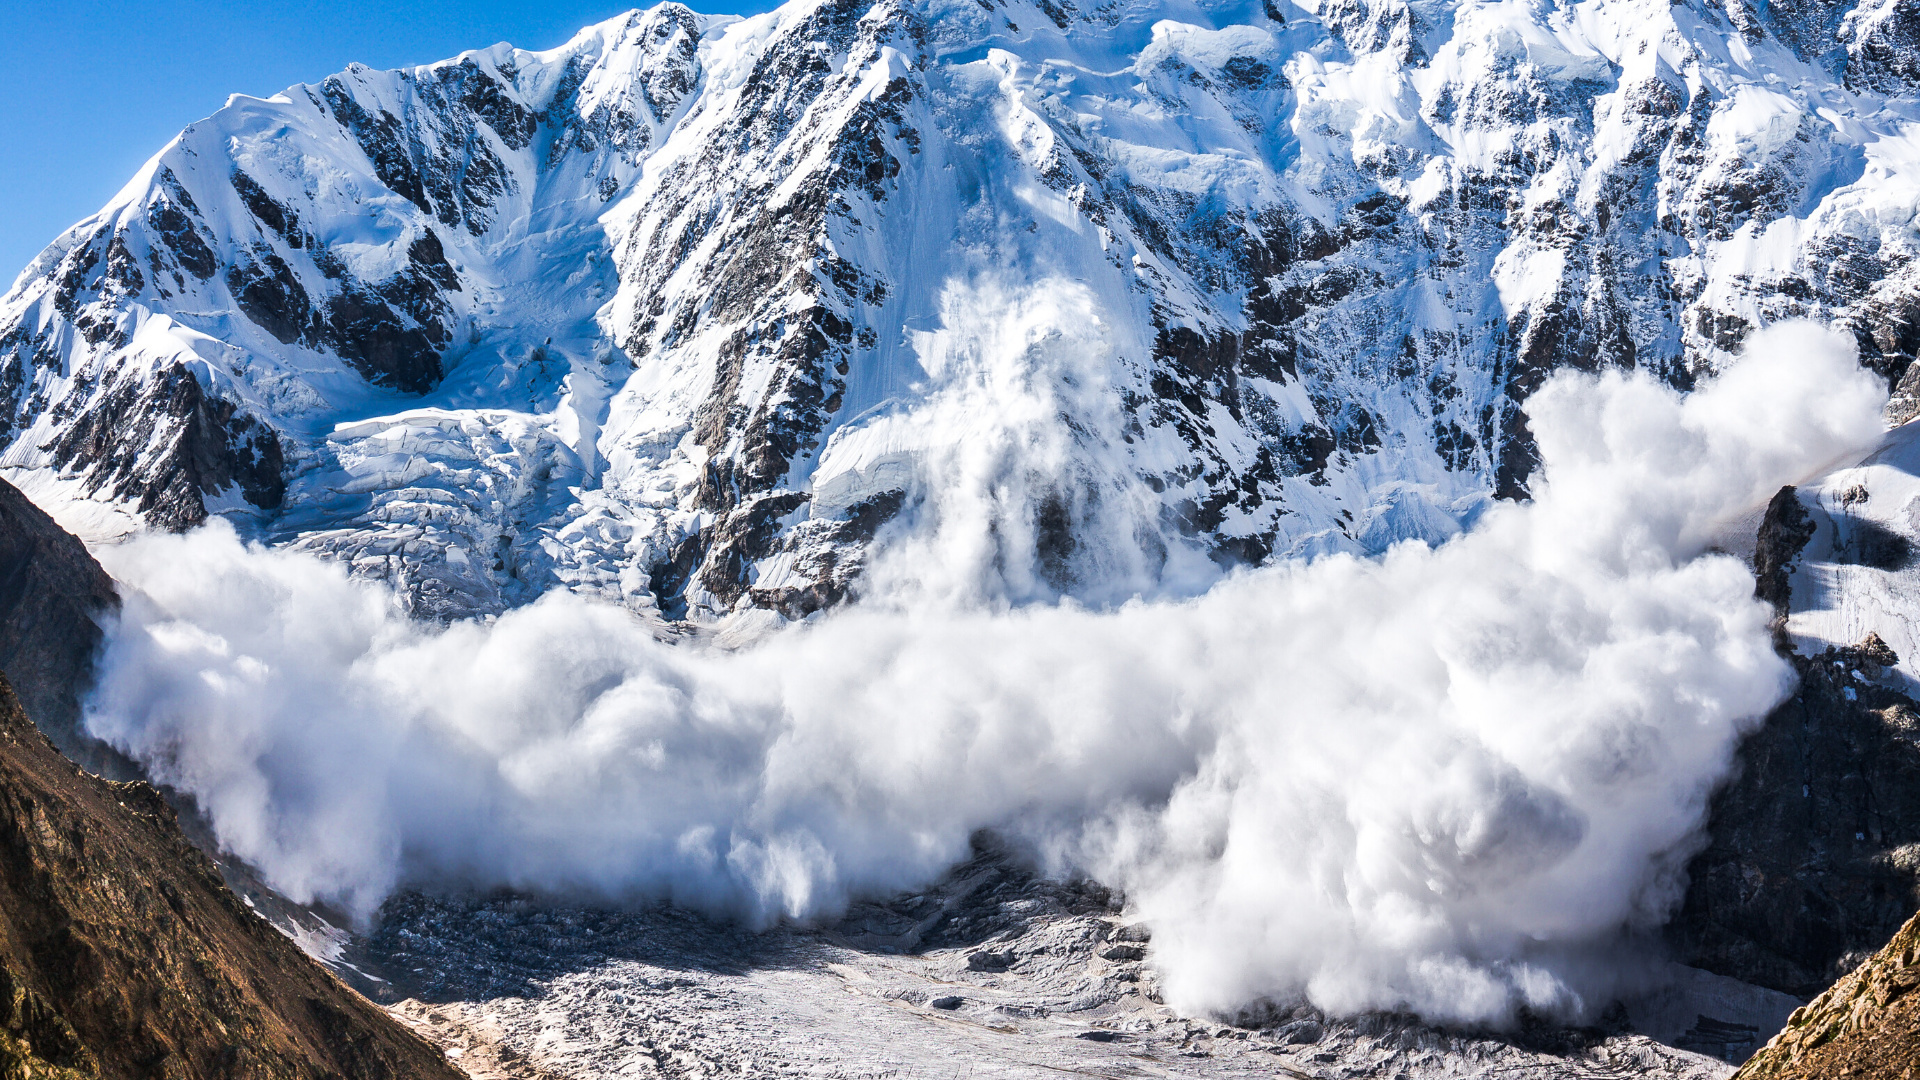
(92,88)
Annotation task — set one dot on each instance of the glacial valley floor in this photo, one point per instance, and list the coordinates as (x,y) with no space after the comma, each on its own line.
(992,974)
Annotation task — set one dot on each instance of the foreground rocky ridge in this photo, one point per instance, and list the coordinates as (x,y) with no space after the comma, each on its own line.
(123,955)
(1867,1026)
(685,312)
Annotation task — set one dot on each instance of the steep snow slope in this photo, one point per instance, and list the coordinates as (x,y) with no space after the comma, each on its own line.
(1855,574)
(1088,300)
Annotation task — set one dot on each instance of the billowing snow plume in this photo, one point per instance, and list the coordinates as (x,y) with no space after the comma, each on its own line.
(1447,779)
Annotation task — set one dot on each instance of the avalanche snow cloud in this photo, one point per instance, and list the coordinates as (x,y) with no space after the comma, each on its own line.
(1447,779)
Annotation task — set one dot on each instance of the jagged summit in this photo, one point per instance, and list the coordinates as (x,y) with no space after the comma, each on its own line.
(689,311)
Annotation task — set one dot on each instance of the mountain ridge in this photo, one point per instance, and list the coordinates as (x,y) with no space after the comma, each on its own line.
(688,312)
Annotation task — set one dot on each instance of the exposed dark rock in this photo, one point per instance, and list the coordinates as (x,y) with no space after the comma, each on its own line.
(268,293)
(482,96)
(73,274)
(123,278)
(281,219)
(393,333)
(172,215)
(831,553)
(1887,331)
(668,579)
(743,536)
(1904,404)
(1884,53)
(461,180)
(53,598)
(1814,858)
(123,955)
(382,137)
(1784,531)
(988,961)
(163,444)
(777,251)
(1302,1032)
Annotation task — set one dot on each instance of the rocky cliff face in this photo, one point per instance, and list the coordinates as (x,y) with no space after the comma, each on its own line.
(121,952)
(123,955)
(1810,864)
(1814,859)
(53,597)
(688,311)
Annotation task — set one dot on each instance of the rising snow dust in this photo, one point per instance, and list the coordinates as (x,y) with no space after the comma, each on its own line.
(1449,779)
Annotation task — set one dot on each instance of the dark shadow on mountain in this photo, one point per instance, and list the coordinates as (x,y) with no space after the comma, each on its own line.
(1860,541)
(450,946)
(470,947)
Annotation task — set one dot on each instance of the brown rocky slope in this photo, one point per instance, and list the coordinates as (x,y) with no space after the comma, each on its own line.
(1867,1026)
(123,955)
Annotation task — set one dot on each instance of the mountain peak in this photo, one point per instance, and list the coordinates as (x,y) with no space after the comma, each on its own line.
(691,312)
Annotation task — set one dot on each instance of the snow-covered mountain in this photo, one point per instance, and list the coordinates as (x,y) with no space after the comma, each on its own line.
(1094,300)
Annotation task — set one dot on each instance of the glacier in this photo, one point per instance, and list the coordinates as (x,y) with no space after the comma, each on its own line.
(695,314)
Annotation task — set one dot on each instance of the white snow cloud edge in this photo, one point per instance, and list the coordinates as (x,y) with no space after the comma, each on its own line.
(1449,779)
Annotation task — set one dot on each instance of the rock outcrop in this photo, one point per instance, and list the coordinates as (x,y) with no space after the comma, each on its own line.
(1866,1027)
(1810,865)
(122,955)
(53,596)
(1814,857)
